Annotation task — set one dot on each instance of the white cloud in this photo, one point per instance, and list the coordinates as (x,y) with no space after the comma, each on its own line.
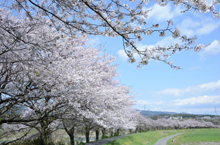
(94,40)
(198,100)
(188,26)
(121,53)
(167,41)
(195,68)
(191,27)
(206,87)
(174,92)
(207,28)
(212,49)
(164,13)
(144,102)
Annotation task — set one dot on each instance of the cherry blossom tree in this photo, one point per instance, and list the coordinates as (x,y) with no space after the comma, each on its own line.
(45,72)
(105,108)
(114,19)
(31,58)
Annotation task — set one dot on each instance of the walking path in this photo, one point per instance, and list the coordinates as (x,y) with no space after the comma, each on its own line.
(164,140)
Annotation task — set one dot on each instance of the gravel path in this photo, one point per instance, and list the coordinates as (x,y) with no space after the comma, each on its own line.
(164,140)
(104,141)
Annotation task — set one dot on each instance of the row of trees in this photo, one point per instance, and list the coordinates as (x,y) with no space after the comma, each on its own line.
(49,77)
(143,124)
(150,124)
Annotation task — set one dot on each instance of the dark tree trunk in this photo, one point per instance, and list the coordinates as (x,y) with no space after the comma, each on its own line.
(70,132)
(87,136)
(118,131)
(103,132)
(97,134)
(112,133)
(136,130)
(72,139)
(44,133)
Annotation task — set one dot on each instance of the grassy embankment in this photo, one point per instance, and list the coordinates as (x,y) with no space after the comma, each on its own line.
(149,138)
(196,137)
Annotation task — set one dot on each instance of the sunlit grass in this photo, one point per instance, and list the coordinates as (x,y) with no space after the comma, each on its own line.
(149,138)
(197,135)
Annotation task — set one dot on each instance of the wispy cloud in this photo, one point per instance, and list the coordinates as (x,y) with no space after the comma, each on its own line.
(94,40)
(212,49)
(160,13)
(206,87)
(167,41)
(195,68)
(198,100)
(121,53)
(192,27)
(144,102)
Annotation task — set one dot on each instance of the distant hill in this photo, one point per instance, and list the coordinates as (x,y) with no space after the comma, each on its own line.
(152,113)
(163,113)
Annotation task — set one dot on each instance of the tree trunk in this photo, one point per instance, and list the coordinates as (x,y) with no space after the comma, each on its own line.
(97,134)
(87,136)
(42,142)
(112,133)
(103,132)
(70,132)
(44,133)
(118,131)
(72,139)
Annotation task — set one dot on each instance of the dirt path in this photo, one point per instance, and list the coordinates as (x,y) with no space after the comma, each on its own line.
(164,140)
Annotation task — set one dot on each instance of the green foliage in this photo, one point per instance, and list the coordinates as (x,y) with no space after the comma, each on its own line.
(116,134)
(80,143)
(104,137)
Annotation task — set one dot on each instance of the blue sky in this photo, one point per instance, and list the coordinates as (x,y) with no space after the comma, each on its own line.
(196,88)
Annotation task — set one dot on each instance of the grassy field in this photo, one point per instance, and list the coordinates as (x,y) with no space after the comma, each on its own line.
(17,135)
(149,138)
(196,137)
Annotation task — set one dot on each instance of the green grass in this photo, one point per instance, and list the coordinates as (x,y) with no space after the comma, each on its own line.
(149,138)
(196,136)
